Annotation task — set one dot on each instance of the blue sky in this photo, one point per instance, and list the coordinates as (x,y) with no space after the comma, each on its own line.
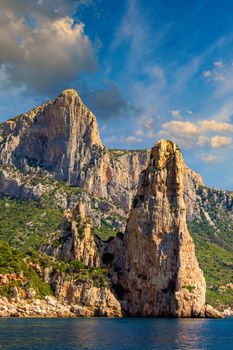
(147,69)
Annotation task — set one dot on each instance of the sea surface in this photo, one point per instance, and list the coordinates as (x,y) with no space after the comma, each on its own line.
(116,334)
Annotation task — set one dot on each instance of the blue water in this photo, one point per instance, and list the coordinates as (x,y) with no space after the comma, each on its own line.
(116,334)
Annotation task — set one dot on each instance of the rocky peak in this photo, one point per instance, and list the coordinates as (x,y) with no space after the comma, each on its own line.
(163,275)
(70,92)
(61,135)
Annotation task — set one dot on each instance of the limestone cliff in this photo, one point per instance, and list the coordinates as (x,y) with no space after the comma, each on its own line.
(78,242)
(163,277)
(62,136)
(53,156)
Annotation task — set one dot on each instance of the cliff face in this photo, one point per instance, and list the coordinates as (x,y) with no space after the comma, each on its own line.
(163,275)
(78,240)
(153,270)
(62,136)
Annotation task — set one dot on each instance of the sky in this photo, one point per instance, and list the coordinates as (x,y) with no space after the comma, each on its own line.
(147,69)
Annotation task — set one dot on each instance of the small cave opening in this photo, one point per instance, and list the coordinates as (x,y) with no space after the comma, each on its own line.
(108,258)
(119,290)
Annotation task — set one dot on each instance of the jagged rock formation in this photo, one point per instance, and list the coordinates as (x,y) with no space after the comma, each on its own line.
(85,299)
(78,240)
(162,272)
(153,271)
(62,136)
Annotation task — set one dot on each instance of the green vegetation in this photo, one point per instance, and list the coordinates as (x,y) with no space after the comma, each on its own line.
(77,271)
(214,250)
(105,231)
(116,153)
(97,275)
(125,151)
(218,297)
(27,224)
(13,261)
(190,288)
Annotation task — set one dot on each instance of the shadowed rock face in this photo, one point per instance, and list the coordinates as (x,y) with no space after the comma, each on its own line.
(163,275)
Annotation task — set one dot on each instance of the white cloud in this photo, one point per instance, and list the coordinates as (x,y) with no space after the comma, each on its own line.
(156,73)
(214,75)
(219,64)
(139,132)
(103,128)
(150,135)
(202,140)
(207,74)
(207,158)
(182,132)
(215,126)
(176,113)
(180,128)
(48,55)
(199,134)
(148,123)
(220,141)
(132,139)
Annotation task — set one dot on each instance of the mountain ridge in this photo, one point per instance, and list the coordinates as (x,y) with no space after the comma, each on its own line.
(65,166)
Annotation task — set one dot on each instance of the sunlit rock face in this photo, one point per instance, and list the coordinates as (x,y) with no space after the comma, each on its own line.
(163,275)
(62,136)
(78,240)
(152,270)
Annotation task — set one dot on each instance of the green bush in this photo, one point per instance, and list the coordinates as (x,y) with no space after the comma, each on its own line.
(26,224)
(13,261)
(105,231)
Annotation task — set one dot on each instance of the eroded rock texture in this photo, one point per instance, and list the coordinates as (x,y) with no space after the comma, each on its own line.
(153,271)
(163,275)
(62,136)
(78,240)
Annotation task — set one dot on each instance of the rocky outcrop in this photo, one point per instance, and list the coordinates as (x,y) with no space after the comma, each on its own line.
(64,139)
(63,136)
(87,299)
(47,307)
(78,242)
(53,154)
(163,277)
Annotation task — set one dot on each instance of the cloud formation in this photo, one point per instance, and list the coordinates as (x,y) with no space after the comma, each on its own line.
(106,103)
(209,158)
(199,134)
(220,141)
(176,113)
(46,50)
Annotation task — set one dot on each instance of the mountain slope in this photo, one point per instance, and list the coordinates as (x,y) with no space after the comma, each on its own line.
(52,161)
(62,137)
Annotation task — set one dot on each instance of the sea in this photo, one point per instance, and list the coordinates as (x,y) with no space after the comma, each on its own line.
(115,334)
